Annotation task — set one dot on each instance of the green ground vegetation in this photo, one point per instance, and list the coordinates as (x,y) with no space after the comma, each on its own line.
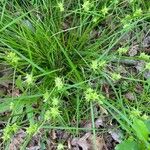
(60,55)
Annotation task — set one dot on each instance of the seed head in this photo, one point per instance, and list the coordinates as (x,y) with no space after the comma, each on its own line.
(138,13)
(86,5)
(147,66)
(60,146)
(145,117)
(135,113)
(55,101)
(12,58)
(61,6)
(59,83)
(104,10)
(52,113)
(116,76)
(32,129)
(8,131)
(102,64)
(29,79)
(91,95)
(46,96)
(144,56)
(122,50)
(94,65)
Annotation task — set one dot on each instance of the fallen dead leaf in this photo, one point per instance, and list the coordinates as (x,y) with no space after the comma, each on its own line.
(133,50)
(121,69)
(15,93)
(116,135)
(82,142)
(99,144)
(87,142)
(54,135)
(17,140)
(33,148)
(130,96)
(69,144)
(140,66)
(98,123)
(146,42)
(106,90)
(109,141)
(138,88)
(103,111)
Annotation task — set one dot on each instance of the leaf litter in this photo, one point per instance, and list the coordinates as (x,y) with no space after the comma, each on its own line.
(85,142)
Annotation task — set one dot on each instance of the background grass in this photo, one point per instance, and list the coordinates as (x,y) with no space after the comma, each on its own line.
(51,43)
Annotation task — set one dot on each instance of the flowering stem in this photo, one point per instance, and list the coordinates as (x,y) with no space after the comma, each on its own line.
(93,125)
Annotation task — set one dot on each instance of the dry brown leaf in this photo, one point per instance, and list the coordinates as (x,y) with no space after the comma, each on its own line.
(35,141)
(140,66)
(17,140)
(133,50)
(33,148)
(82,142)
(98,123)
(88,125)
(89,142)
(54,135)
(106,90)
(99,144)
(116,135)
(146,42)
(138,88)
(103,111)
(69,143)
(121,69)
(15,92)
(130,96)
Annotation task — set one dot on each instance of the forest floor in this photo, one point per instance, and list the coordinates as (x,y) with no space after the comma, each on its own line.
(75,75)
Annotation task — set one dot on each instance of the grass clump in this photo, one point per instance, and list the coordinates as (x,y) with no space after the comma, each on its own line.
(60,56)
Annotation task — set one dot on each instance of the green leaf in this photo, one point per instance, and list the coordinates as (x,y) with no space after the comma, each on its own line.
(147,122)
(19,83)
(30,114)
(127,145)
(18,111)
(141,129)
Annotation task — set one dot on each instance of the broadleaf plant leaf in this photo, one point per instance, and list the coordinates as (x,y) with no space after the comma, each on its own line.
(141,129)
(127,145)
